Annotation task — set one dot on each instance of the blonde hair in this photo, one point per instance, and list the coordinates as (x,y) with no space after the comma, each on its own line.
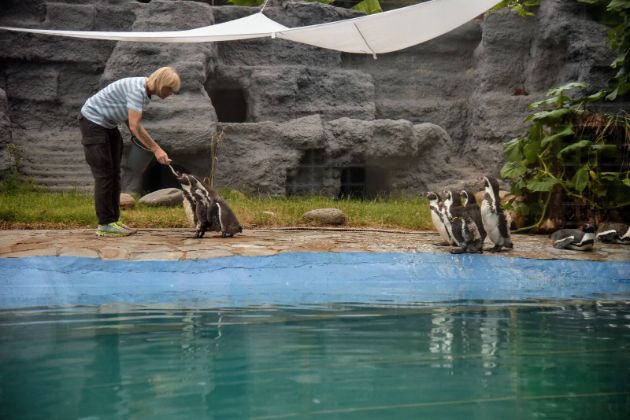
(164,77)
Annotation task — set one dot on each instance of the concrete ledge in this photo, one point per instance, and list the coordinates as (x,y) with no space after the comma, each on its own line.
(178,244)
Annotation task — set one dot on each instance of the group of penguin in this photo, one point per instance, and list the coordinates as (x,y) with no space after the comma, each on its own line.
(465,225)
(210,211)
(458,219)
(584,239)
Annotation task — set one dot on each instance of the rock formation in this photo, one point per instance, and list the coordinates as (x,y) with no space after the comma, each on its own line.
(296,119)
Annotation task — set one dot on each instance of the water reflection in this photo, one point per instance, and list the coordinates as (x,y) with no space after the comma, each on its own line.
(441,337)
(484,359)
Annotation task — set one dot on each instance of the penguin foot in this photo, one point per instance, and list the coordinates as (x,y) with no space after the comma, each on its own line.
(458,251)
(496,248)
(442,244)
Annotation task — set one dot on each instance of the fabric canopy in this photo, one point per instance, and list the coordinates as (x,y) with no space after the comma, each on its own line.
(392,30)
(373,34)
(254,26)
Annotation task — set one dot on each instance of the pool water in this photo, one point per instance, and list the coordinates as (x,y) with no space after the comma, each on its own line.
(466,359)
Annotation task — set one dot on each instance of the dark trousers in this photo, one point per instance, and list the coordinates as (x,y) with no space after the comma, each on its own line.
(103,149)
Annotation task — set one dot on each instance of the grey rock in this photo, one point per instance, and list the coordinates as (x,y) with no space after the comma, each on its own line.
(166,197)
(5,135)
(297,119)
(127,201)
(328,216)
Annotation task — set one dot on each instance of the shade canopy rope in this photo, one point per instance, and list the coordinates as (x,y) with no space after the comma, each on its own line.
(373,34)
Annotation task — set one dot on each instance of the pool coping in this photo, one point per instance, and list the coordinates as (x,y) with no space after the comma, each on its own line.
(178,244)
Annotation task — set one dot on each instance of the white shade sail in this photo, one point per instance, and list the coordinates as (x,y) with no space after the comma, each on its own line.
(253,26)
(373,34)
(392,30)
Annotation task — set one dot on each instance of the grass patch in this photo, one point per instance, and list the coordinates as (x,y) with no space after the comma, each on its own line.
(23,205)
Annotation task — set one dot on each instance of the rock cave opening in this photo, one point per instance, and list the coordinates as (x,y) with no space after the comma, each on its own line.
(362,181)
(229,101)
(158,176)
(352,183)
(316,174)
(308,177)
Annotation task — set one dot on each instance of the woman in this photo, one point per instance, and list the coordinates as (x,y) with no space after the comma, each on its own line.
(121,101)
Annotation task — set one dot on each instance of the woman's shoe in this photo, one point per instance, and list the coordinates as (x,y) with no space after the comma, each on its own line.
(112,229)
(124,226)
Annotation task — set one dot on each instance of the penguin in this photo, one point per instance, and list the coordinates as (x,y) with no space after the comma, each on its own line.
(614,233)
(576,239)
(210,211)
(222,217)
(494,221)
(438,216)
(473,210)
(463,228)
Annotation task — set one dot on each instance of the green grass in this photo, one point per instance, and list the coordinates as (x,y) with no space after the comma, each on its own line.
(23,205)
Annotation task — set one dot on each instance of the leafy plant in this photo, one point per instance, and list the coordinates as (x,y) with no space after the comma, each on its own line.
(574,163)
(522,7)
(570,153)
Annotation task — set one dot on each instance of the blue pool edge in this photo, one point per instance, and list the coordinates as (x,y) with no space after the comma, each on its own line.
(298,279)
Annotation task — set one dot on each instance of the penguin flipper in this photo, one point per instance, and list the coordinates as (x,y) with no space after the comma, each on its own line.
(609,236)
(564,242)
(214,217)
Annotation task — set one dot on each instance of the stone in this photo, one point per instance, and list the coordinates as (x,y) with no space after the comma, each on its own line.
(427,117)
(166,197)
(6,160)
(328,216)
(127,201)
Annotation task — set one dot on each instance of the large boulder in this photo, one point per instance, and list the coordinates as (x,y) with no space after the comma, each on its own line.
(5,135)
(167,197)
(297,119)
(329,216)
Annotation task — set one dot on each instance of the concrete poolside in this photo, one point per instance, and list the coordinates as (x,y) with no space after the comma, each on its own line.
(178,244)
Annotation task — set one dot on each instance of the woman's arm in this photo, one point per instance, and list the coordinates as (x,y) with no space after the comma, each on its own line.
(142,134)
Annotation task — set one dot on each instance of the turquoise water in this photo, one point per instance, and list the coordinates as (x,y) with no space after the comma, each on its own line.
(482,360)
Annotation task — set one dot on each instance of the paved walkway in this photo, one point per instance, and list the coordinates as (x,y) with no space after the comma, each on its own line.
(178,244)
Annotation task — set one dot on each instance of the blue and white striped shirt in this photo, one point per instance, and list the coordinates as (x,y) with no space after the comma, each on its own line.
(108,107)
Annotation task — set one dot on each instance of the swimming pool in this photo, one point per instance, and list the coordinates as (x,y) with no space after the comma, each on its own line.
(358,335)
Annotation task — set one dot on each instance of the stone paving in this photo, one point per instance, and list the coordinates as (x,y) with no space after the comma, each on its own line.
(178,244)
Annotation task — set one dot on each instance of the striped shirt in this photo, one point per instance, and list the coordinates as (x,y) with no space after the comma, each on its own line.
(109,106)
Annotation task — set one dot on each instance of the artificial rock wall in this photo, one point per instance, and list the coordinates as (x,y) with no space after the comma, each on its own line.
(295,119)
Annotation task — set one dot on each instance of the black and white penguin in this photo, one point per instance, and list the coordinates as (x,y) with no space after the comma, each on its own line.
(473,210)
(576,239)
(614,233)
(463,228)
(492,216)
(437,217)
(210,211)
(222,217)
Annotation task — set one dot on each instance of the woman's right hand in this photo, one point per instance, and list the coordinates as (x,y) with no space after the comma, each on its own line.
(161,156)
